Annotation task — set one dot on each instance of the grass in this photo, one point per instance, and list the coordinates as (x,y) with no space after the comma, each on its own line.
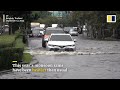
(9,39)
(6,39)
(19,43)
(27,58)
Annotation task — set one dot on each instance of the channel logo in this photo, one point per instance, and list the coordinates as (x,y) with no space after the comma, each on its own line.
(111,18)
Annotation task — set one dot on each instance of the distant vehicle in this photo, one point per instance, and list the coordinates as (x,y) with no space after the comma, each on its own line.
(37,32)
(61,42)
(6,25)
(48,32)
(75,27)
(84,28)
(54,25)
(34,25)
(67,29)
(50,28)
(42,25)
(73,31)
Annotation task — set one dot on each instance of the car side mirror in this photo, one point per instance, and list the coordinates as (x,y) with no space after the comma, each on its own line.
(75,40)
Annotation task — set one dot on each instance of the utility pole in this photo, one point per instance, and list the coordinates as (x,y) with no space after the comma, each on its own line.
(3,23)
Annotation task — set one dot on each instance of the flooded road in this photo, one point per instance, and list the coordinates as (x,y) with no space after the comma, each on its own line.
(92,60)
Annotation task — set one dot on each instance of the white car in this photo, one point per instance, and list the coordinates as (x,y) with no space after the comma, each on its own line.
(73,31)
(84,28)
(61,42)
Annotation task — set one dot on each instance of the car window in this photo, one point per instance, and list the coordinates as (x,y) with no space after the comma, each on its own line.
(67,28)
(60,38)
(35,31)
(75,29)
(40,29)
(48,32)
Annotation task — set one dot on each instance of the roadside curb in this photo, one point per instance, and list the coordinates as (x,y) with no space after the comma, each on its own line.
(34,61)
(5,71)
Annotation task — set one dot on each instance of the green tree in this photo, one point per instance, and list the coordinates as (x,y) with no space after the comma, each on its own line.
(96,20)
(35,15)
(48,20)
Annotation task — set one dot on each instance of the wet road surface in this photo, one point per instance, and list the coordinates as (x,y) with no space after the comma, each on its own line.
(92,60)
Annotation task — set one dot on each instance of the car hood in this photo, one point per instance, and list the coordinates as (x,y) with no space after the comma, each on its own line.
(61,43)
(73,32)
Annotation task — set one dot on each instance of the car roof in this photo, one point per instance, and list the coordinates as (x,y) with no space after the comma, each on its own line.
(59,34)
(68,27)
(74,27)
(54,29)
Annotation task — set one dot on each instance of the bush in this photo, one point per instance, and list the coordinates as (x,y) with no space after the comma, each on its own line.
(19,43)
(7,41)
(4,45)
(18,34)
(7,55)
(27,58)
(11,49)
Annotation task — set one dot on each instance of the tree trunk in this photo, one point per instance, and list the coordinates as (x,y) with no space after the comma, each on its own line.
(99,34)
(10,28)
(113,33)
(25,25)
(103,35)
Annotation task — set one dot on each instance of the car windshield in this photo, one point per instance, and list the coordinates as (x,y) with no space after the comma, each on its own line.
(67,28)
(48,32)
(60,38)
(41,30)
(35,31)
(75,29)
